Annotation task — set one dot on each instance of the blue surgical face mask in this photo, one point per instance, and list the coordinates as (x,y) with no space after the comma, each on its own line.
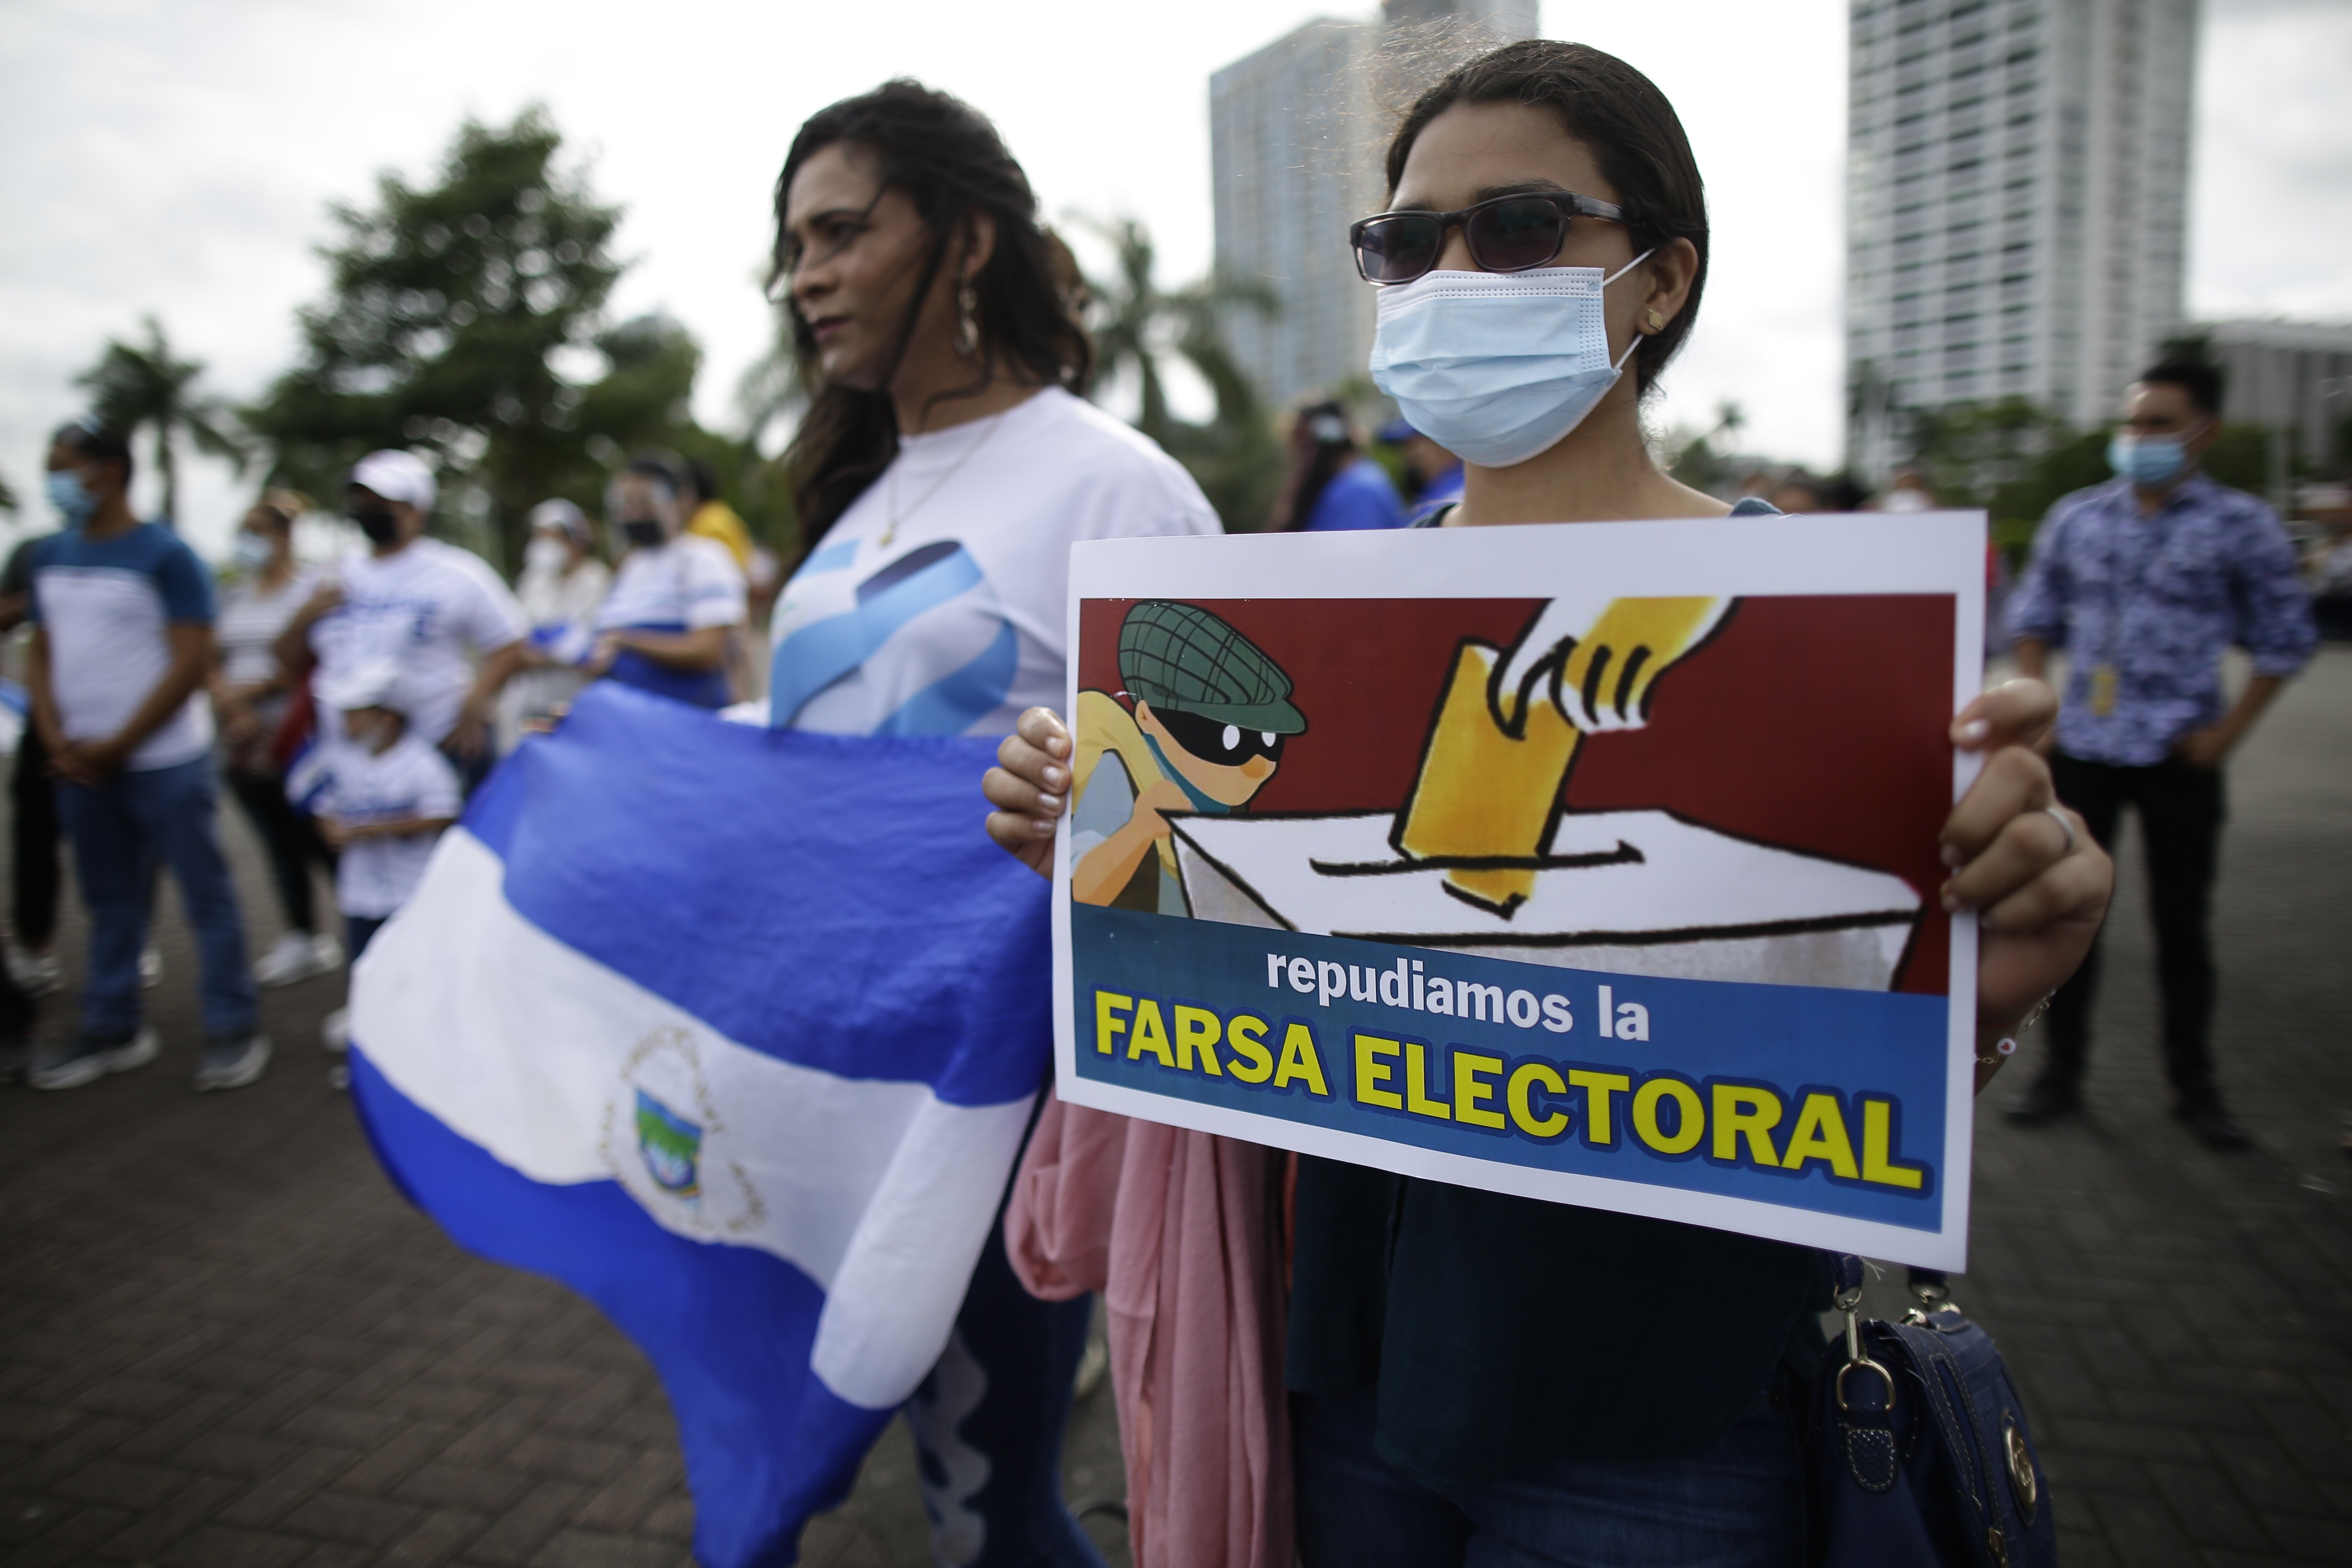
(2150,461)
(1498,367)
(251,551)
(72,497)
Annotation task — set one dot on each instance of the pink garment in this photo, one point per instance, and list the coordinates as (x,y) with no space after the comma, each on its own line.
(1181,1231)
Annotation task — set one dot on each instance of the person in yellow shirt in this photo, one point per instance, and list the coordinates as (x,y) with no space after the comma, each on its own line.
(713,518)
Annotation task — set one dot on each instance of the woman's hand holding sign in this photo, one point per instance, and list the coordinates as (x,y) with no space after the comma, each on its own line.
(1030,788)
(2038,881)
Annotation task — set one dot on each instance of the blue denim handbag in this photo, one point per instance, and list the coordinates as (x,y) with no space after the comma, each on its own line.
(1922,1457)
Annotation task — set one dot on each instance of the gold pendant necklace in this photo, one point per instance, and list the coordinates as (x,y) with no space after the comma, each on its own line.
(890,494)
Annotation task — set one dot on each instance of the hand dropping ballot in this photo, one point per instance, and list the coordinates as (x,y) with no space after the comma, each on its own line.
(1590,863)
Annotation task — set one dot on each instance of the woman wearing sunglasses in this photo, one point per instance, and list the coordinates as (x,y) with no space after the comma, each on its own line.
(1483,1379)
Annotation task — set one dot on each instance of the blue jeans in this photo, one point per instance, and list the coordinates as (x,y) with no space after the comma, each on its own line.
(357,931)
(121,828)
(988,1425)
(1739,1503)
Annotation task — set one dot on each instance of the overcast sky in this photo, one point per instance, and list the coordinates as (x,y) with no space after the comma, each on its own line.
(179,158)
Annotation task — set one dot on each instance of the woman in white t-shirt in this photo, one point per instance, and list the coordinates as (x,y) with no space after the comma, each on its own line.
(676,595)
(250,694)
(562,585)
(945,468)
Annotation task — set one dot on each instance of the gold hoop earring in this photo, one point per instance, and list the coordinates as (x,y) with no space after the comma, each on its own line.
(1654,322)
(967,337)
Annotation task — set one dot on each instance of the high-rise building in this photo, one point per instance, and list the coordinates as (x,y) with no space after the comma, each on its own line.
(2291,376)
(2016,201)
(1295,139)
(1291,154)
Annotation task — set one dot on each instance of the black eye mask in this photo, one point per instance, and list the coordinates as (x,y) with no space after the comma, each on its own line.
(1214,740)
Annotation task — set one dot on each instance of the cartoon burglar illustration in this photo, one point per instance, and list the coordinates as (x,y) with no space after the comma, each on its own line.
(1212,713)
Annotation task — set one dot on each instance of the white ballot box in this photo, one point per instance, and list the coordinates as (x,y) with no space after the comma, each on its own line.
(1630,892)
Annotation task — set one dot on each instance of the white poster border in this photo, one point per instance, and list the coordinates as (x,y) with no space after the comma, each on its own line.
(1939,552)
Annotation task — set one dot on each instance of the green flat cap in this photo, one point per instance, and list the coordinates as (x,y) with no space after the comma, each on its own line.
(1183,659)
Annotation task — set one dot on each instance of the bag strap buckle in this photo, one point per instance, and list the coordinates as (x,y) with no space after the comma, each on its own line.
(1849,1301)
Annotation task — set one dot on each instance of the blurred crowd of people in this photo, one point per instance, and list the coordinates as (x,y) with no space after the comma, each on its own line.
(348,706)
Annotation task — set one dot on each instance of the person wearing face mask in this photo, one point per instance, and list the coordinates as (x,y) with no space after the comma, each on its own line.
(561,585)
(1333,487)
(249,702)
(2145,581)
(1435,474)
(122,646)
(677,597)
(382,796)
(947,464)
(425,605)
(1459,1391)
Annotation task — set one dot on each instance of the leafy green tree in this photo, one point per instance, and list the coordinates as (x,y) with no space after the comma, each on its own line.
(146,388)
(648,390)
(455,309)
(1703,459)
(1136,324)
(1970,453)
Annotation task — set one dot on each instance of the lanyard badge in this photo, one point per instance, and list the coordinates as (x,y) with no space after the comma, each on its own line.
(2103,690)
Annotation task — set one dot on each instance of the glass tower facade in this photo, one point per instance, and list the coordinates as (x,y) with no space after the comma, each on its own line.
(1296,134)
(2016,203)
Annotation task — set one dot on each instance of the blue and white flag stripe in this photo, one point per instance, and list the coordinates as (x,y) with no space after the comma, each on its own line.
(738,1032)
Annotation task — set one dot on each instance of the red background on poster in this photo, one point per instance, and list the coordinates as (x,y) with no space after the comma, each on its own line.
(1813,721)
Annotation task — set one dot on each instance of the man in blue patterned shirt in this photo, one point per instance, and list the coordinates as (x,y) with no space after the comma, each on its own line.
(2144,581)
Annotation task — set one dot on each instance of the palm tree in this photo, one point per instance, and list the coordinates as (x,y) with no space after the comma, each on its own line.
(1136,323)
(135,387)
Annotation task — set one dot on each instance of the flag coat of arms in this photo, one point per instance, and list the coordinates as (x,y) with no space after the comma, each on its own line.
(737,1032)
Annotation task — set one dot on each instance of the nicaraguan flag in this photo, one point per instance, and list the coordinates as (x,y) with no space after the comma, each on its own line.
(737,1032)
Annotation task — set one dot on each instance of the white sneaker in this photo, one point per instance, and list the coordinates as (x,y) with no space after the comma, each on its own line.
(39,974)
(232,1064)
(151,967)
(87,1061)
(335,1034)
(296,956)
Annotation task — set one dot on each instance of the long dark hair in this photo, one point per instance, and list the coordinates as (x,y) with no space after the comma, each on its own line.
(945,157)
(1325,426)
(1635,135)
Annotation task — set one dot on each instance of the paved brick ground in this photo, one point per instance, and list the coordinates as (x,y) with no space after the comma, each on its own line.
(2180,1320)
(225,1341)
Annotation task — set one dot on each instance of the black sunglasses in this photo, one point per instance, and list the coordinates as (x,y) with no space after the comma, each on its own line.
(1506,233)
(1213,741)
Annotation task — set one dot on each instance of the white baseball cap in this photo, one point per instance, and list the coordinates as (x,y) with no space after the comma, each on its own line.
(370,683)
(560,513)
(397,476)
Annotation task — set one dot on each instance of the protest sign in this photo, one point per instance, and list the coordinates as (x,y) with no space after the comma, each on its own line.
(1593,863)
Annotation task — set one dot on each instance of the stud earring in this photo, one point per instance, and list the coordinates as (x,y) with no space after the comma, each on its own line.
(1655,322)
(967,337)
